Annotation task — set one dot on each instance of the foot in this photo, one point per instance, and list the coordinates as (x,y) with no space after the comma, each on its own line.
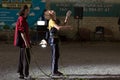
(21,76)
(57,73)
(27,77)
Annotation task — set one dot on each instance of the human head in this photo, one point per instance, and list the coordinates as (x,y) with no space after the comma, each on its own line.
(24,11)
(50,14)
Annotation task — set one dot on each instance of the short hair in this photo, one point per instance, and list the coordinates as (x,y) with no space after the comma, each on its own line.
(22,10)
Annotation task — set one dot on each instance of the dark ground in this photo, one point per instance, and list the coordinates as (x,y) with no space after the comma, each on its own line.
(86,61)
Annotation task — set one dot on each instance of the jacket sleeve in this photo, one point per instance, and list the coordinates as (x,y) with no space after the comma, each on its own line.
(21,25)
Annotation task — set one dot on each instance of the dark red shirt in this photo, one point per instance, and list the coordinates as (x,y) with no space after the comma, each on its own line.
(21,26)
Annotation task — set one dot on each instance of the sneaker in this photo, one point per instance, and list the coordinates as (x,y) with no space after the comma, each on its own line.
(57,73)
(27,77)
(21,76)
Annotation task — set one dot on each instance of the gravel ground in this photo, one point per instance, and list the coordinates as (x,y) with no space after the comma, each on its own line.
(87,60)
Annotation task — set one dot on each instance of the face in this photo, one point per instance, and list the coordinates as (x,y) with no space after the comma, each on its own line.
(46,14)
(27,11)
(52,14)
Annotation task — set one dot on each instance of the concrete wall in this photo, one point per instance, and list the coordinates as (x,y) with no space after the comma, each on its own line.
(107,22)
(91,23)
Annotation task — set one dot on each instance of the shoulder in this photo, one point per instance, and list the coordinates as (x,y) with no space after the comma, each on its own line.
(20,18)
(51,21)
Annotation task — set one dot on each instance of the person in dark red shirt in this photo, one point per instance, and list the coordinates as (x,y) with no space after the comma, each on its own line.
(22,40)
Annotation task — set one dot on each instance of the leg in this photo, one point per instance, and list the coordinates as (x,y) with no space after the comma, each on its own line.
(21,59)
(27,62)
(54,59)
(20,64)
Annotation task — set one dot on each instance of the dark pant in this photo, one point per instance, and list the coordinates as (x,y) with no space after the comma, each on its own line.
(24,61)
(55,54)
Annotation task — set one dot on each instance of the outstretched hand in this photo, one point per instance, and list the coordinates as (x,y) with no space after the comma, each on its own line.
(67,16)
